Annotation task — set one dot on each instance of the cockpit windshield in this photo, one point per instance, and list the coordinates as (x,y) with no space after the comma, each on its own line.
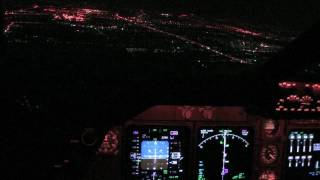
(208,32)
(160,89)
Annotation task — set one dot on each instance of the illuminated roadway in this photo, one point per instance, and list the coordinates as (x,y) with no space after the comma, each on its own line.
(186,40)
(233,39)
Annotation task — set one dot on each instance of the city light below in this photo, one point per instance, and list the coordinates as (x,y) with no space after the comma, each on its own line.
(144,30)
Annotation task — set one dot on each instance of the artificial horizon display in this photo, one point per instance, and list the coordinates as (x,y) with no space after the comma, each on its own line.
(156,152)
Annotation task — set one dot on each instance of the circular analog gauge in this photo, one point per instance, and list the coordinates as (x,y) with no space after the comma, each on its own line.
(268,175)
(89,137)
(269,154)
(270,127)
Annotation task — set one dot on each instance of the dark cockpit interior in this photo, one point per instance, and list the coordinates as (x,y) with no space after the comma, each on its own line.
(162,90)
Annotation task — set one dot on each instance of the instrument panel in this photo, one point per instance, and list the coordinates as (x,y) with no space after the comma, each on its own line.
(202,151)
(298,98)
(230,145)
(303,154)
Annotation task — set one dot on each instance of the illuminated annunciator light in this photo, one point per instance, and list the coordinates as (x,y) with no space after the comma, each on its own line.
(298,142)
(303,158)
(309,160)
(287,85)
(290,158)
(293,98)
(310,142)
(306,100)
(316,86)
(305,138)
(297,160)
(292,137)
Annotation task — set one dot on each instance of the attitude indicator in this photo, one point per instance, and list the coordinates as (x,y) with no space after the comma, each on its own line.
(156,152)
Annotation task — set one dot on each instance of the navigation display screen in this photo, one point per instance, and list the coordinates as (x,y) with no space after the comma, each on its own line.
(224,153)
(155,152)
(303,154)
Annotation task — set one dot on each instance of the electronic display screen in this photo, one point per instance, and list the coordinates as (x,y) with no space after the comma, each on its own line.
(157,152)
(224,153)
(303,154)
